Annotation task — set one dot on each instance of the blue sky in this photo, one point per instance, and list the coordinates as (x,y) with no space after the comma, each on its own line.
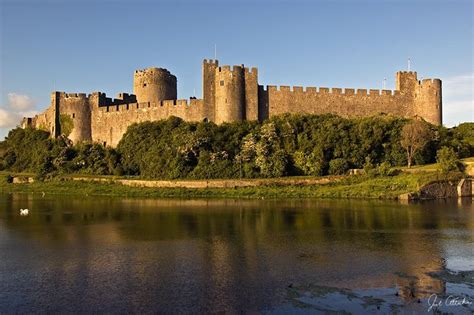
(85,46)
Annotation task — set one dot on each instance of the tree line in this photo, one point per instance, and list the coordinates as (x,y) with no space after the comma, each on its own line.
(286,145)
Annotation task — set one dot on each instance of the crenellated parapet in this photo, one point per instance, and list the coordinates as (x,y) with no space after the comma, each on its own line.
(213,62)
(325,90)
(185,103)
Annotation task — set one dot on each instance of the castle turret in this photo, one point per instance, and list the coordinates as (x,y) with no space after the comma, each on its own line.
(230,94)
(209,87)
(154,85)
(428,101)
(73,116)
(251,94)
(406,82)
(423,96)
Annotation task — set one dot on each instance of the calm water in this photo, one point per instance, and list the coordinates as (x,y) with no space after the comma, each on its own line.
(90,254)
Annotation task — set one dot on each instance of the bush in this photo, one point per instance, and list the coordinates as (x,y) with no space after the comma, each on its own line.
(448,160)
(66,124)
(369,167)
(384,169)
(7,179)
(338,166)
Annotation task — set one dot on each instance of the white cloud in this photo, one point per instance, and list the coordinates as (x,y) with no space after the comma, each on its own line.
(20,102)
(458,99)
(9,119)
(18,106)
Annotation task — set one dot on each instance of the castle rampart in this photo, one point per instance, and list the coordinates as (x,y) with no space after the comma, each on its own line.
(229,94)
(346,102)
(109,123)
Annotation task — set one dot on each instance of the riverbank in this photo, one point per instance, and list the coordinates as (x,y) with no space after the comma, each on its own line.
(380,187)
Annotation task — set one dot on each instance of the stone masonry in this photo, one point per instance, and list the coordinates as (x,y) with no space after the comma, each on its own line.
(229,94)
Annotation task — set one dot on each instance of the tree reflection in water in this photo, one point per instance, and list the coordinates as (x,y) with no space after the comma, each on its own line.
(219,255)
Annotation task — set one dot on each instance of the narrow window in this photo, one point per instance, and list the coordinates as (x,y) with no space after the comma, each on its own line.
(73,115)
(226,101)
(105,143)
(222,82)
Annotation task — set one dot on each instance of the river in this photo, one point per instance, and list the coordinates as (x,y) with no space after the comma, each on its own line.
(112,255)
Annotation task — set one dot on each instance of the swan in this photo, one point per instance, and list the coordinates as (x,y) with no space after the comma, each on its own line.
(24,211)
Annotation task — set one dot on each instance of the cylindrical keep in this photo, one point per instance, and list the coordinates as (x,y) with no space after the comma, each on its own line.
(74,116)
(154,85)
(230,94)
(428,101)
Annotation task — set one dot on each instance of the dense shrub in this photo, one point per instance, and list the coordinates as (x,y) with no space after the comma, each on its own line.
(338,166)
(28,150)
(447,159)
(283,145)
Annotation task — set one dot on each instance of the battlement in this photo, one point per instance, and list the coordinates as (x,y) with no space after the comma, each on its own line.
(332,91)
(112,107)
(211,61)
(69,95)
(407,72)
(153,70)
(253,70)
(182,102)
(227,68)
(125,98)
(98,94)
(430,82)
(80,95)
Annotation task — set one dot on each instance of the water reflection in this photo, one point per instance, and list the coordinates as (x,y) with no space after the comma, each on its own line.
(119,255)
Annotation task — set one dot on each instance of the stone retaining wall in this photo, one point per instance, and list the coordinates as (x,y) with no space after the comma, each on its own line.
(442,189)
(215,183)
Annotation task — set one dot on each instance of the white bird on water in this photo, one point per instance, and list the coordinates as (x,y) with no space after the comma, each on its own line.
(24,212)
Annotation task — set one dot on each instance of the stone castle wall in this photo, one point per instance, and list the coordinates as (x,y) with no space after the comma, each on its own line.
(229,94)
(343,102)
(414,98)
(109,123)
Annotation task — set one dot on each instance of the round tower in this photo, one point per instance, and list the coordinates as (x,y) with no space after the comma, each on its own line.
(73,116)
(428,101)
(154,85)
(229,94)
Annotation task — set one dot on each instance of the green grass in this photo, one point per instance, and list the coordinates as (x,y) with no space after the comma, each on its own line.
(348,187)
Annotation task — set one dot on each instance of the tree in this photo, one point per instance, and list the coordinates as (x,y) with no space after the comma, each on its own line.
(67,124)
(415,135)
(270,157)
(447,159)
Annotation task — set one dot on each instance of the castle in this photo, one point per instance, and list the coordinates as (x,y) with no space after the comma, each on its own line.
(229,94)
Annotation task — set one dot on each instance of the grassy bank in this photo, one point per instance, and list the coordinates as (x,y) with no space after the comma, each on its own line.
(348,187)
